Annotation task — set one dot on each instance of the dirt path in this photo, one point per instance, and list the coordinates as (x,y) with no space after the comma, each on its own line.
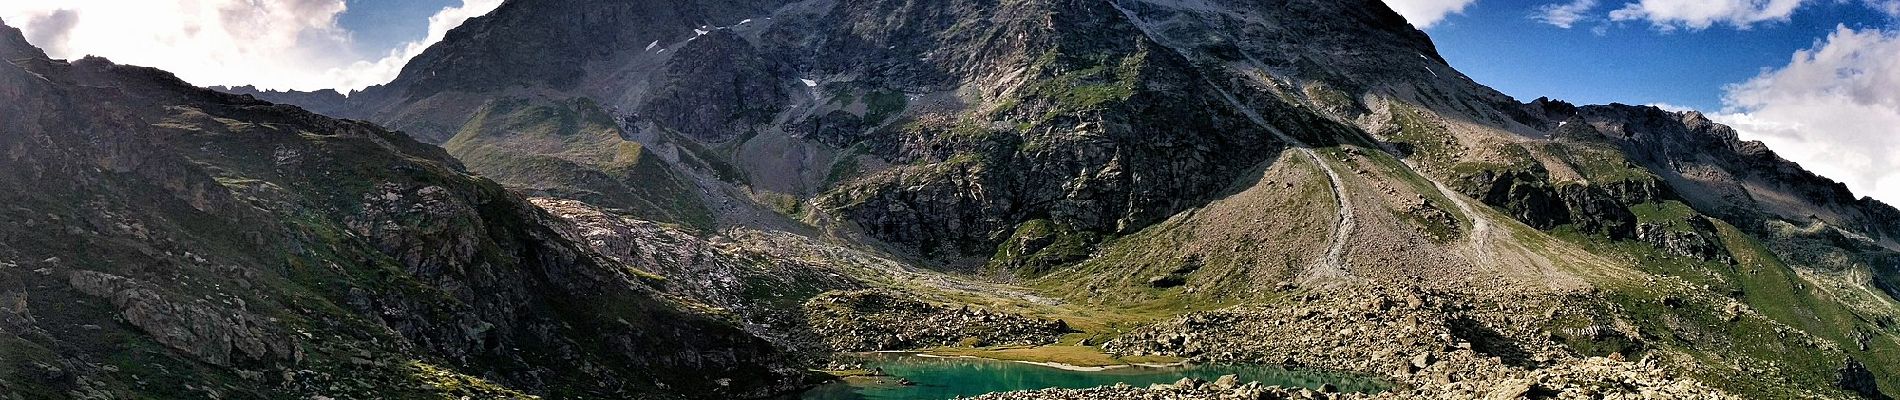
(1480,238)
(1334,266)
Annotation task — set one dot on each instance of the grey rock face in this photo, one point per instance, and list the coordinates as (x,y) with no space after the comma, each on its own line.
(216,334)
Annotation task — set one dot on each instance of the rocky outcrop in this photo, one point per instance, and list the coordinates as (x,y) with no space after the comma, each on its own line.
(219,333)
(1527,195)
(1604,208)
(872,320)
(1854,377)
(716,89)
(1533,197)
(765,284)
(1696,240)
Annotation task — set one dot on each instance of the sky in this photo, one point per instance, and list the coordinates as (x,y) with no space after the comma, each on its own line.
(1818,80)
(274,44)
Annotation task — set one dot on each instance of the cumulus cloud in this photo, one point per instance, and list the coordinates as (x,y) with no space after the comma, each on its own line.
(1701,14)
(1425,13)
(1671,107)
(1833,108)
(1565,15)
(52,27)
(278,44)
(365,73)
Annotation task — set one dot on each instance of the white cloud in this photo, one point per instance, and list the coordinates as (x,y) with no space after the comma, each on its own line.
(279,44)
(1834,109)
(1701,14)
(1565,15)
(1671,107)
(365,73)
(1891,7)
(1425,13)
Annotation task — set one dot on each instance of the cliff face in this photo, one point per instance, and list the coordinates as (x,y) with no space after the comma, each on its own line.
(172,242)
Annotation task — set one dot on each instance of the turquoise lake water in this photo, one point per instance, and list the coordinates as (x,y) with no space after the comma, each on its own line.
(943,378)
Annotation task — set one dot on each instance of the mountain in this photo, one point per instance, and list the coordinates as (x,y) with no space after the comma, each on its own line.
(166,241)
(1296,182)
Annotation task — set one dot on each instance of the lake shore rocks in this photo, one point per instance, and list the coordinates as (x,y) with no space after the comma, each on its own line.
(874,320)
(1430,345)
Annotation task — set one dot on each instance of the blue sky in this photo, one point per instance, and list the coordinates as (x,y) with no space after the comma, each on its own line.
(1817,80)
(1501,44)
(380,25)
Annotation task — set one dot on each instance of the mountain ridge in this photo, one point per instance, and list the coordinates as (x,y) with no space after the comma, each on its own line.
(1139,168)
(189,243)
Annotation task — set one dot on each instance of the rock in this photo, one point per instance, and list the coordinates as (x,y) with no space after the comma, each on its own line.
(1228,381)
(1510,389)
(872,320)
(1167,281)
(1854,377)
(1422,360)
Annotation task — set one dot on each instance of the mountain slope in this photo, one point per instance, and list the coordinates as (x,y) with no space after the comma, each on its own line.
(166,241)
(573,149)
(1139,160)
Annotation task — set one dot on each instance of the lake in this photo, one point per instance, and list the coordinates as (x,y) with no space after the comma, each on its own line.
(944,378)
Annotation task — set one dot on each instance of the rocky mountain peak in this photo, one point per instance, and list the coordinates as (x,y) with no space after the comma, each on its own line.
(551,42)
(13,44)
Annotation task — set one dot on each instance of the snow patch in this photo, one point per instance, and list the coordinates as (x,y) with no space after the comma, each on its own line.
(747,21)
(650,46)
(699,32)
(809,83)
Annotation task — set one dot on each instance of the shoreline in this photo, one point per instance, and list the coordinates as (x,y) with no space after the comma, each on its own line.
(1049,364)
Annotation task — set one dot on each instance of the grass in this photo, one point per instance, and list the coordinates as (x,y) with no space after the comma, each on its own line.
(1428,139)
(1048,246)
(1599,163)
(881,105)
(573,149)
(451,384)
(1670,214)
(844,168)
(1085,87)
(1684,318)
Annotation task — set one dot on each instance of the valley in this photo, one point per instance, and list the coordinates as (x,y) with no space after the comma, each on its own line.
(749,199)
